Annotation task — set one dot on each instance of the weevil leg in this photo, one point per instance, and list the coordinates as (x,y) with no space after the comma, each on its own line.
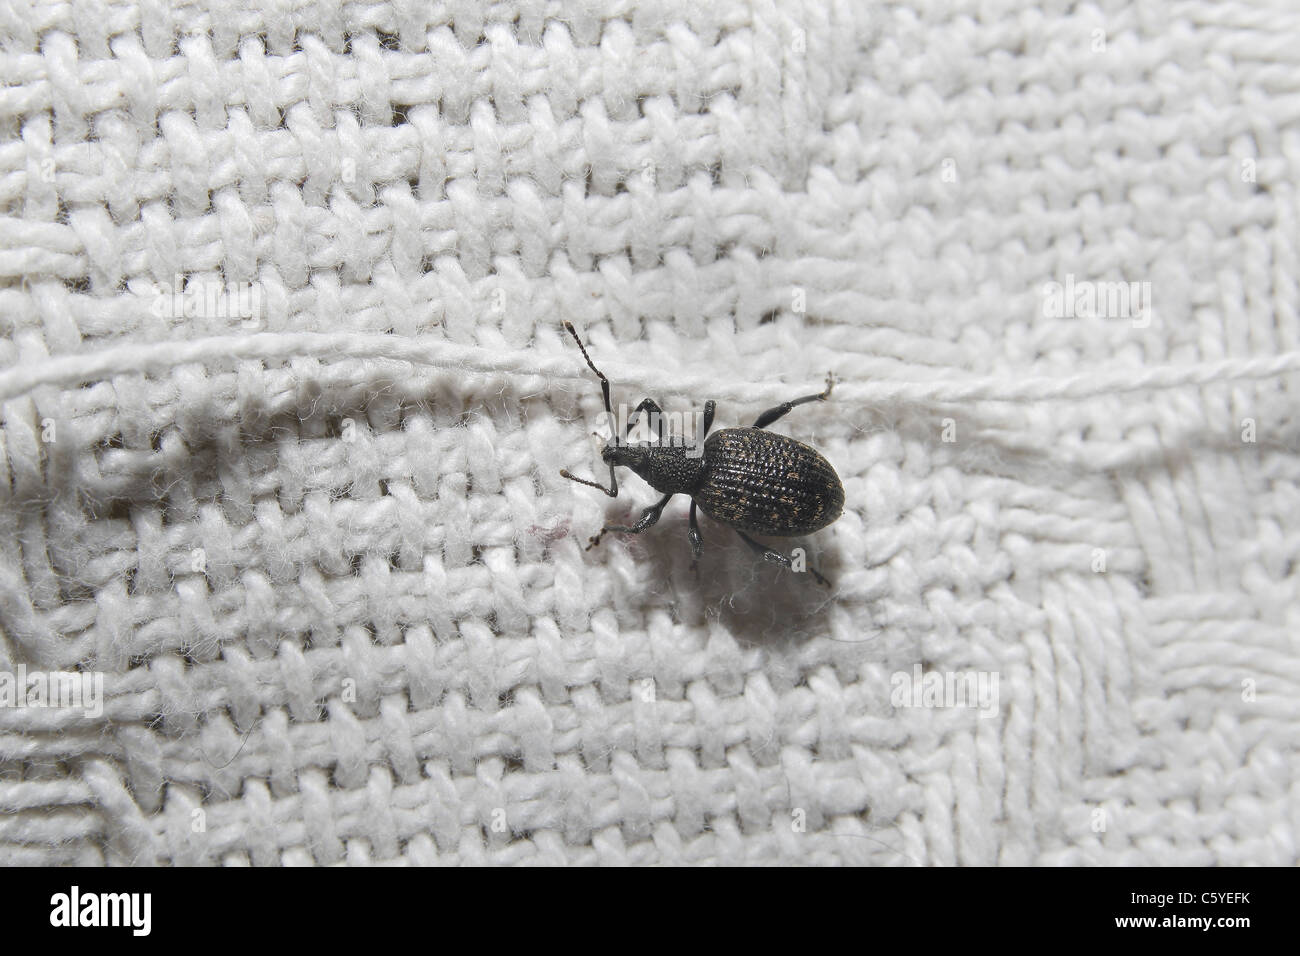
(772,414)
(709,407)
(647,519)
(693,536)
(776,557)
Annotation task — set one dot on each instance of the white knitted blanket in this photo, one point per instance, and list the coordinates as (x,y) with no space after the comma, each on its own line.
(284,398)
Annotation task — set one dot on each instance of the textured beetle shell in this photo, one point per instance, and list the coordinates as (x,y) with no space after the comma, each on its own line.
(758,481)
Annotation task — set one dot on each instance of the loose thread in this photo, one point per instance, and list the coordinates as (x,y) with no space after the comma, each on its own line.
(159,357)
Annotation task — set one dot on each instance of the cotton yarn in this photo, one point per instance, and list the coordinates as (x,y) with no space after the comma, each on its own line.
(319,549)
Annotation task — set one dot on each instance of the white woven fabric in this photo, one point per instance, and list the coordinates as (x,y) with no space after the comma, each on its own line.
(319,550)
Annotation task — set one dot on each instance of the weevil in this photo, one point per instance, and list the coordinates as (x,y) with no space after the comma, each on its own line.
(747,478)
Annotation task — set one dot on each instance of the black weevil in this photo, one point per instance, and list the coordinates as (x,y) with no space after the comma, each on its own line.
(747,478)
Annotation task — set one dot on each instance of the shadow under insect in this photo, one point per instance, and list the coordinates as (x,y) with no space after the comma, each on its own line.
(758,602)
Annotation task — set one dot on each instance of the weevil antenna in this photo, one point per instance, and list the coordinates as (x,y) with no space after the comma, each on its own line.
(604,382)
(612,490)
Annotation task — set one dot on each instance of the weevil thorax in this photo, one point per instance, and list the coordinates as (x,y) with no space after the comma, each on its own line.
(669,468)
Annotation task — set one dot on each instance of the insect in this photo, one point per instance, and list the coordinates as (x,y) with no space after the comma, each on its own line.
(747,478)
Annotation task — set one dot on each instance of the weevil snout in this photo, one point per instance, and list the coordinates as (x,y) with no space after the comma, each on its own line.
(622,454)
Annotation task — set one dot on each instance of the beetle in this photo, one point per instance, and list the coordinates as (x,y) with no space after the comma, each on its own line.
(747,478)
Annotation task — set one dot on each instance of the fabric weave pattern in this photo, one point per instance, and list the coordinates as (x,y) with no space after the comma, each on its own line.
(337,594)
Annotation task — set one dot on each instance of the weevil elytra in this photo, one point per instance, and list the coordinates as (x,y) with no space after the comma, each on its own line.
(747,478)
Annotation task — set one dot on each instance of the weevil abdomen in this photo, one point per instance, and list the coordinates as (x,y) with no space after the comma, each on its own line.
(770,484)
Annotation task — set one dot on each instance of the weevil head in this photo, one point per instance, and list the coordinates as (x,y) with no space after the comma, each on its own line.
(634,456)
(669,469)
